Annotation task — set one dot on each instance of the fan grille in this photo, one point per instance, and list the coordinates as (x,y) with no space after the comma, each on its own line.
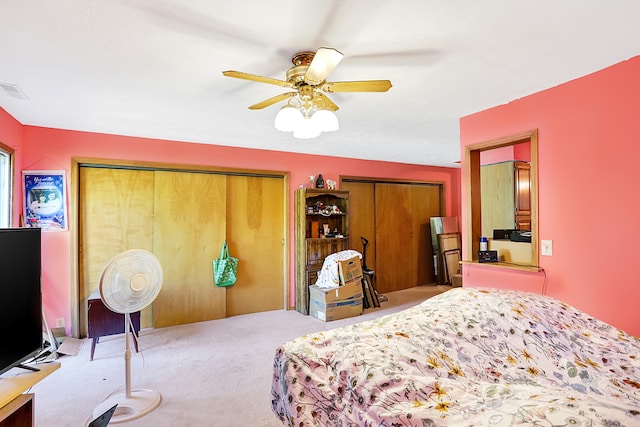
(130,281)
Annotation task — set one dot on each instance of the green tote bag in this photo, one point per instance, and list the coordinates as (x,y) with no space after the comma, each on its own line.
(225,268)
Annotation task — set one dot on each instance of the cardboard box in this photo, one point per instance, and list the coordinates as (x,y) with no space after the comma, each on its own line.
(350,270)
(336,303)
(335,310)
(352,290)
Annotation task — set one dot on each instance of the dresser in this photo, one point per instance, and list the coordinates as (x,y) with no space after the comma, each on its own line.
(101,321)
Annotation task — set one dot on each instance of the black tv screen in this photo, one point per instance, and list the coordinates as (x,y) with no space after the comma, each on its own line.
(20,296)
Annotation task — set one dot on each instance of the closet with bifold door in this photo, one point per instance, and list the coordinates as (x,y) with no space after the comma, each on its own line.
(394,216)
(183,217)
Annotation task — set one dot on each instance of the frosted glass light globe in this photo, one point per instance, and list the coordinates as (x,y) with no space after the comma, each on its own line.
(288,119)
(306,129)
(326,120)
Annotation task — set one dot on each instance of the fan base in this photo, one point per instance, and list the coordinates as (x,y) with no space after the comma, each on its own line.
(140,403)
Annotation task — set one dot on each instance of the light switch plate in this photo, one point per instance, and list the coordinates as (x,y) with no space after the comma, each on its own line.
(547,247)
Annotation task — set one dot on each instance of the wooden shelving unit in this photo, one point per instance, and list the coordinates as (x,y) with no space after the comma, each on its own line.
(313,209)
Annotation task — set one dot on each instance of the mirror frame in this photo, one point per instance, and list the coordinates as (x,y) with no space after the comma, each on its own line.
(473,212)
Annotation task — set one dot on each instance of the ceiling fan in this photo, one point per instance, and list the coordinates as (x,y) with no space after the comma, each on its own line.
(308,78)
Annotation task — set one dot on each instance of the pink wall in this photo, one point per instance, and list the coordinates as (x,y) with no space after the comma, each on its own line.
(45,148)
(11,135)
(497,155)
(588,205)
(520,152)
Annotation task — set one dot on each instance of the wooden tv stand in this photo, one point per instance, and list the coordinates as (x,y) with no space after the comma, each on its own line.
(16,408)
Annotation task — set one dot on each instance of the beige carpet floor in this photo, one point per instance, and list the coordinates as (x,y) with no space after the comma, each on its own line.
(215,373)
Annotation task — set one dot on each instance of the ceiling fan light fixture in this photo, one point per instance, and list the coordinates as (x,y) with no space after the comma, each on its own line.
(288,118)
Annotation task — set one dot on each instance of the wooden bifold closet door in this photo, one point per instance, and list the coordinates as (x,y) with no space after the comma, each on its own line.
(188,228)
(403,236)
(115,214)
(183,218)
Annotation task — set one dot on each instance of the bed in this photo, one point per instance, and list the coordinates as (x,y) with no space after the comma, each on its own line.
(467,357)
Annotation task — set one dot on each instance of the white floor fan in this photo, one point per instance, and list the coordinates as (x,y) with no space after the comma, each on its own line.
(129,283)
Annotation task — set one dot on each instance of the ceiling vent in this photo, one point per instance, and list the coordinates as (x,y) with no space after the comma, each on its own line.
(14,91)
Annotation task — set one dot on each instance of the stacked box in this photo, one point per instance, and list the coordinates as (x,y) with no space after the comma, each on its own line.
(336,303)
(350,270)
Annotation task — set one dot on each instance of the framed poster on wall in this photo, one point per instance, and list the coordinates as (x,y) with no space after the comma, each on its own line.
(44,204)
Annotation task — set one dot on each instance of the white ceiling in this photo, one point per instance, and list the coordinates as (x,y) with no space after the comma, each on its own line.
(154,68)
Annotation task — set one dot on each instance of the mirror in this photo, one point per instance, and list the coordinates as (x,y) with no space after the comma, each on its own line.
(505,186)
(516,147)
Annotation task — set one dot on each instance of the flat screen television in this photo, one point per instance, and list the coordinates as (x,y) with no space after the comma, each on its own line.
(20,296)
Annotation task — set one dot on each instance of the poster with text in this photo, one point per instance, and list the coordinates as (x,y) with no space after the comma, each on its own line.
(45,204)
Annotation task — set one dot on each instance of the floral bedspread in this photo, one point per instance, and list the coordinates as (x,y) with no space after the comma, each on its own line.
(467,357)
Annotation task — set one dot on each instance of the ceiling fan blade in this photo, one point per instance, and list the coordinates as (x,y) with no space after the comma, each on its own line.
(255,78)
(358,86)
(198,22)
(326,102)
(415,57)
(324,61)
(272,100)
